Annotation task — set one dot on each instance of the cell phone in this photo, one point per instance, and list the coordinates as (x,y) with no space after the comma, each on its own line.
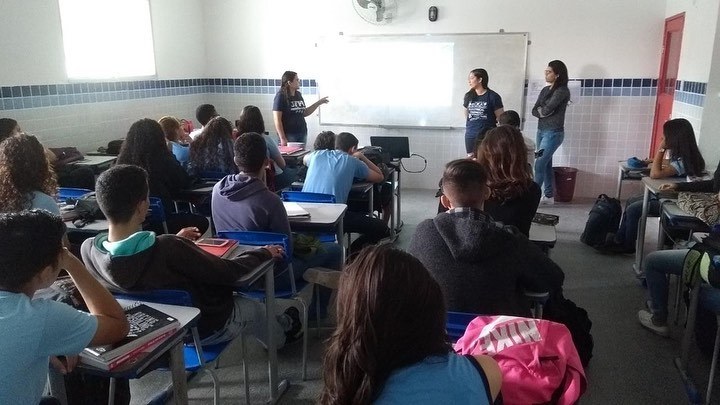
(213,242)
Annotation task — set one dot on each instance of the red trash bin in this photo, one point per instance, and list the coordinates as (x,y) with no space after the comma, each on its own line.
(564,183)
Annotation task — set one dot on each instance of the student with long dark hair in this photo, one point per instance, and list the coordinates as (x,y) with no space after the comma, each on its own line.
(550,111)
(677,155)
(212,150)
(289,110)
(251,120)
(514,196)
(390,345)
(145,146)
(482,107)
(26,178)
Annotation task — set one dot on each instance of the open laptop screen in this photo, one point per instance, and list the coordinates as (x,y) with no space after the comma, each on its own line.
(397,146)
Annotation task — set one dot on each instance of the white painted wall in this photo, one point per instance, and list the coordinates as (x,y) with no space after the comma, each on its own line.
(698,36)
(710,142)
(611,38)
(32,49)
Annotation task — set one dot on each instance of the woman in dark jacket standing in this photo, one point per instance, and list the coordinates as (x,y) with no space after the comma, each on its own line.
(550,111)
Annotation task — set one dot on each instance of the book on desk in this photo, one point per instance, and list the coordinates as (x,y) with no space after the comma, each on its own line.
(219,251)
(294,210)
(148,329)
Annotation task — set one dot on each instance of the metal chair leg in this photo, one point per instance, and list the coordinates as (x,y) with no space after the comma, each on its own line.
(304,306)
(714,362)
(246,379)
(316,289)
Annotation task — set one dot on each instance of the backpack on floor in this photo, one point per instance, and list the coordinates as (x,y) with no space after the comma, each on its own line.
(604,218)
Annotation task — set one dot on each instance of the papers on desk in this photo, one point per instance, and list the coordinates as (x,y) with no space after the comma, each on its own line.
(294,210)
(148,329)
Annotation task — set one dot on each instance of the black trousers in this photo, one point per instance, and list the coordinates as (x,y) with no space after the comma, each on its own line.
(371,230)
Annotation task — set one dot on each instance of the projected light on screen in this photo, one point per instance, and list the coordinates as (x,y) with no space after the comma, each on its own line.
(399,73)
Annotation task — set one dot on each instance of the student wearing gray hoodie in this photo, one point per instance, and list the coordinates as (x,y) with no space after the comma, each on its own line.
(483,267)
(243,202)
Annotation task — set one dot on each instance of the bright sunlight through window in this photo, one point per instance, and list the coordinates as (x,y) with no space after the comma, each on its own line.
(107,39)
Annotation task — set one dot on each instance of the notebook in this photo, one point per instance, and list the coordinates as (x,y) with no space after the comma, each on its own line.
(294,210)
(219,251)
(286,150)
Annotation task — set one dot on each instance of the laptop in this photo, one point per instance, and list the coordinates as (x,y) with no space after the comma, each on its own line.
(397,146)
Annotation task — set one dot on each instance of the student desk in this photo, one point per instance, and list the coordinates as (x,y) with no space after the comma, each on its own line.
(357,192)
(196,194)
(295,158)
(97,163)
(544,236)
(187,316)
(626,172)
(651,186)
(323,218)
(94,227)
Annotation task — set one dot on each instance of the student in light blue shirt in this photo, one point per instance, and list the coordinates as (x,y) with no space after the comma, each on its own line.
(33,330)
(333,171)
(390,346)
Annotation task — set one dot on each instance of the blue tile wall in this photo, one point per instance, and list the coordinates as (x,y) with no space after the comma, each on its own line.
(34,96)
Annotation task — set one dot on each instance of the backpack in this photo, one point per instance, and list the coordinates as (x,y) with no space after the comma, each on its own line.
(87,210)
(604,218)
(702,261)
(562,310)
(537,358)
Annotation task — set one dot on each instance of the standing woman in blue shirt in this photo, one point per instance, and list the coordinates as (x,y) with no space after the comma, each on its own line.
(289,110)
(550,111)
(482,108)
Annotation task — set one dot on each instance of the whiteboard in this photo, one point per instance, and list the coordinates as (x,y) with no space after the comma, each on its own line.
(415,80)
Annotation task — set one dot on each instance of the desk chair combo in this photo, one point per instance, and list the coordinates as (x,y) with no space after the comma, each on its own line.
(196,356)
(252,238)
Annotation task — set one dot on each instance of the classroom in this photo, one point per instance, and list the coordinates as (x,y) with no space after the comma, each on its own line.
(232,53)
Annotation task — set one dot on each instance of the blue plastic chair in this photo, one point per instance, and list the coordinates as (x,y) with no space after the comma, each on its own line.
(456,324)
(300,196)
(196,355)
(68,192)
(156,213)
(254,238)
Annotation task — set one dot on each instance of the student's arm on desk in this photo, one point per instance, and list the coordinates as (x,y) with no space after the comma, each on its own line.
(204,267)
(375,175)
(112,324)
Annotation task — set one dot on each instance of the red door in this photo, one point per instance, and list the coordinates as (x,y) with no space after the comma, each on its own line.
(672,42)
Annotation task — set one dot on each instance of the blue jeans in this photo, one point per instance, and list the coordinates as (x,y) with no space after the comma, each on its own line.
(548,140)
(628,230)
(658,265)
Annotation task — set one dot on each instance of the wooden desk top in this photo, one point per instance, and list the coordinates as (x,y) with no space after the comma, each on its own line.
(654,184)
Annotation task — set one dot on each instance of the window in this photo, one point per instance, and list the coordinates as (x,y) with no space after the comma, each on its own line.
(107,39)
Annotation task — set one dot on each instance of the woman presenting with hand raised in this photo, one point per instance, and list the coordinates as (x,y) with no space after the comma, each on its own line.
(482,107)
(289,110)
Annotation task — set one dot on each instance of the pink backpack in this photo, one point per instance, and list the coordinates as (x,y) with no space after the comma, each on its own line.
(537,357)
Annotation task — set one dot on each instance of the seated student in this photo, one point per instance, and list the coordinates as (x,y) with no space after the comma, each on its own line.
(67,175)
(32,330)
(483,267)
(514,196)
(203,113)
(512,118)
(212,150)
(333,171)
(145,146)
(178,141)
(251,120)
(391,347)
(243,202)
(126,258)
(685,160)
(27,180)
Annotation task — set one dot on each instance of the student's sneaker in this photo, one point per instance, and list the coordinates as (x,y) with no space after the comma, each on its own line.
(646,319)
(322,276)
(547,200)
(295,332)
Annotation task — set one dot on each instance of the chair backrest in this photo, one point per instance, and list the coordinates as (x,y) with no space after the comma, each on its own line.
(456,324)
(68,192)
(256,238)
(156,214)
(299,196)
(212,175)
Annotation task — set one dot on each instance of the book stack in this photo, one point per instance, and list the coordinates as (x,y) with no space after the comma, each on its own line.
(294,210)
(148,329)
(546,219)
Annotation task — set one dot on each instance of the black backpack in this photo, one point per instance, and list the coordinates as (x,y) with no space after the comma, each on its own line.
(604,218)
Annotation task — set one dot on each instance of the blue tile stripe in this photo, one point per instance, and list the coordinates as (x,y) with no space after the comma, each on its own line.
(34,96)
